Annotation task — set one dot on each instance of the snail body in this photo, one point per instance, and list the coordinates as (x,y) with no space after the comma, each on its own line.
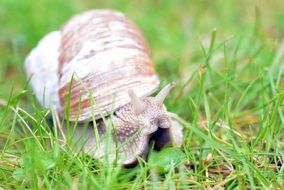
(99,63)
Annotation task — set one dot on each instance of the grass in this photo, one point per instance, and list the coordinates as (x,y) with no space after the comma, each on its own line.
(227,60)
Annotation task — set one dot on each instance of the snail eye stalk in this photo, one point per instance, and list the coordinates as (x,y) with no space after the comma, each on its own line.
(138,105)
(161,96)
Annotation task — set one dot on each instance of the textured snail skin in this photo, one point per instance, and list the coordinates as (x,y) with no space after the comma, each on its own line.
(132,133)
(87,67)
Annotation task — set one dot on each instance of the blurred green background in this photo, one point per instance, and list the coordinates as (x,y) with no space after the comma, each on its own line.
(173,28)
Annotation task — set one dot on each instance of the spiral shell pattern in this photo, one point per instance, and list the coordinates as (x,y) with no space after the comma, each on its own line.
(101,55)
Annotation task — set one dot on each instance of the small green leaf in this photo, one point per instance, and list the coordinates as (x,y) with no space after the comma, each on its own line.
(166,158)
(46,161)
(19,174)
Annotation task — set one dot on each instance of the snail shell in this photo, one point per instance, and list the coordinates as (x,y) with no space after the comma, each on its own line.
(97,64)
(97,54)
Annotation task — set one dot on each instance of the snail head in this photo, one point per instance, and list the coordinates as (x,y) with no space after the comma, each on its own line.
(150,111)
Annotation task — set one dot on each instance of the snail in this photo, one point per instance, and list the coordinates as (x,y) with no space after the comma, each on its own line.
(98,67)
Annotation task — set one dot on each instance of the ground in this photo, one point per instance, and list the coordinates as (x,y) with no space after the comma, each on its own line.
(227,60)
